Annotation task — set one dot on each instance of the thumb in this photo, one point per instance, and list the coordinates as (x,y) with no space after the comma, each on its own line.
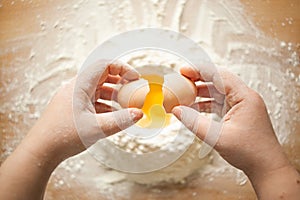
(205,128)
(113,122)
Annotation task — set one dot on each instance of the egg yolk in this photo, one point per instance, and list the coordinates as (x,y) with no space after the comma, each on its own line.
(155,115)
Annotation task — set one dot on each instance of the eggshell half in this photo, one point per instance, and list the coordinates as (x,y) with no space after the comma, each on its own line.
(133,94)
(177,90)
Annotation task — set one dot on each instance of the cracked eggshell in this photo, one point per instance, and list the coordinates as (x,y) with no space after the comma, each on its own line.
(177,90)
(133,94)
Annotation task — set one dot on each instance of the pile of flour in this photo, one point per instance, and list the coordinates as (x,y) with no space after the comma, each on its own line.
(121,150)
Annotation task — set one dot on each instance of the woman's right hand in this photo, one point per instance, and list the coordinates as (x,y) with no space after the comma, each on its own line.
(245,137)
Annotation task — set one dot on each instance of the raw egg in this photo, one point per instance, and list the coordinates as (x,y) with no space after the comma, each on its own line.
(157,95)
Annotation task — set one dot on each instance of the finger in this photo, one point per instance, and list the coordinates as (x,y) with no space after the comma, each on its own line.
(88,78)
(124,70)
(95,74)
(191,73)
(210,107)
(203,127)
(225,82)
(102,107)
(113,79)
(203,72)
(233,87)
(114,122)
(204,90)
(106,93)
(208,90)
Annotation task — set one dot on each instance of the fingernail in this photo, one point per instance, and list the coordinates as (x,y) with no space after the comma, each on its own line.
(177,111)
(135,113)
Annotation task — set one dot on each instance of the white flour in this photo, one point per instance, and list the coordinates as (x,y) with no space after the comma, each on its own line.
(71,31)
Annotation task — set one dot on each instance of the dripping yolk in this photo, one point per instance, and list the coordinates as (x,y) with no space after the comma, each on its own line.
(155,115)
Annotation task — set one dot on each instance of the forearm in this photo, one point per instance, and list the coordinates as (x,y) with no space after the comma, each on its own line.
(283,183)
(24,175)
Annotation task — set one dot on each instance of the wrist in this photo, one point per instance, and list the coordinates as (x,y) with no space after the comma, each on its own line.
(270,158)
(40,153)
(281,183)
(40,144)
(54,142)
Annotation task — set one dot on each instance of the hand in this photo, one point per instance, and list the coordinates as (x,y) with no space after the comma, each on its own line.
(245,137)
(72,121)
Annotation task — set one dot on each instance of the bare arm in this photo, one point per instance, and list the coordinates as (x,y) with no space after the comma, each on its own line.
(55,137)
(281,183)
(245,137)
(25,173)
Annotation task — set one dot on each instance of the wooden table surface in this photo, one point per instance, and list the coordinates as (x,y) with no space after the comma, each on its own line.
(17,36)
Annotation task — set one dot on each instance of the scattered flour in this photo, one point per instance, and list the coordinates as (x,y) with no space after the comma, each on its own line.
(72,30)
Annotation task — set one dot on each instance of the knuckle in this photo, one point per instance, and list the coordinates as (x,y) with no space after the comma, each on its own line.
(256,99)
(195,124)
(225,74)
(255,96)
